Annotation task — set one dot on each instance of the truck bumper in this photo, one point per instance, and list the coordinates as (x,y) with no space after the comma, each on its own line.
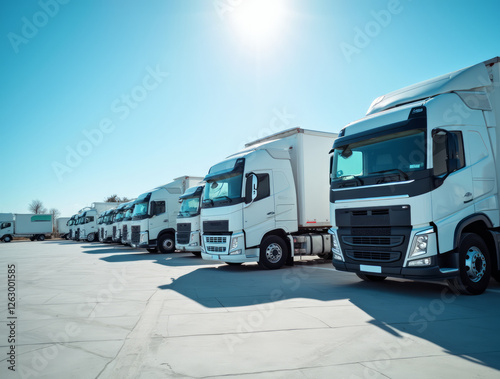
(229,258)
(433,272)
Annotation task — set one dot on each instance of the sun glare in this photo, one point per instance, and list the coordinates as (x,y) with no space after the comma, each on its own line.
(260,22)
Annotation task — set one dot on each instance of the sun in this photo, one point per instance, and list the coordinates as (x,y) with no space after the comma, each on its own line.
(259,22)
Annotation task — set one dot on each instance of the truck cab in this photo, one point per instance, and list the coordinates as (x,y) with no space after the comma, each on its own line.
(265,204)
(155,214)
(188,237)
(414,184)
(127,222)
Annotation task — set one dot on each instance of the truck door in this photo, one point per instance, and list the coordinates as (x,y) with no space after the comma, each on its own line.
(453,200)
(159,219)
(259,214)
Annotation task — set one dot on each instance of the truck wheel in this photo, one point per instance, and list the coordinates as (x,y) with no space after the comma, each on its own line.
(90,237)
(41,237)
(7,239)
(473,264)
(32,238)
(371,278)
(166,243)
(273,252)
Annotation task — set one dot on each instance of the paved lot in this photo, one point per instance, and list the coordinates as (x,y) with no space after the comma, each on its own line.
(106,311)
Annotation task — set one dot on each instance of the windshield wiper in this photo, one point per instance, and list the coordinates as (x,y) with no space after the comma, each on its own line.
(222,197)
(394,170)
(351,177)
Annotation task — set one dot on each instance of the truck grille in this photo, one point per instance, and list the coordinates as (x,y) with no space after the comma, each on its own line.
(124,236)
(374,256)
(184,227)
(216,249)
(135,231)
(183,238)
(215,239)
(373,240)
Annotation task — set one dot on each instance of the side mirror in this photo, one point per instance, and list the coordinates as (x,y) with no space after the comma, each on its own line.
(152,210)
(251,188)
(87,220)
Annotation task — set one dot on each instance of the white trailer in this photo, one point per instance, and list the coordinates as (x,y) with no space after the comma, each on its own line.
(414,191)
(155,214)
(188,234)
(266,203)
(62,226)
(34,226)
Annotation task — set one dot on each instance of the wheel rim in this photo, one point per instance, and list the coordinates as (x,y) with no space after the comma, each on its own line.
(168,244)
(274,252)
(475,264)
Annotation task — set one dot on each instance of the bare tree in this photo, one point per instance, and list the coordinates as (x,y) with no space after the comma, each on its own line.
(116,199)
(55,214)
(37,207)
(112,199)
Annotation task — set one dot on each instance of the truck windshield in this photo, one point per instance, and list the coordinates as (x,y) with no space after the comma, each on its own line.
(396,155)
(140,210)
(128,215)
(190,207)
(119,217)
(223,190)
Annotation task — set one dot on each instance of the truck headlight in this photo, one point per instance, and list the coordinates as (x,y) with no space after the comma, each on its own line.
(420,243)
(144,237)
(235,242)
(336,251)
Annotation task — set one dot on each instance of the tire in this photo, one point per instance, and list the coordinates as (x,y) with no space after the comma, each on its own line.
(7,239)
(90,237)
(32,238)
(41,237)
(371,278)
(474,266)
(197,253)
(273,252)
(166,243)
(153,250)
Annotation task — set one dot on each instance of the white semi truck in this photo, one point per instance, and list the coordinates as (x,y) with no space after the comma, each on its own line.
(62,224)
(118,225)
(155,214)
(34,226)
(127,223)
(88,227)
(188,235)
(266,203)
(106,228)
(72,226)
(414,184)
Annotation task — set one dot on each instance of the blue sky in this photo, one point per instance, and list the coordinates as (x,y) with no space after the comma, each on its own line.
(104,97)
